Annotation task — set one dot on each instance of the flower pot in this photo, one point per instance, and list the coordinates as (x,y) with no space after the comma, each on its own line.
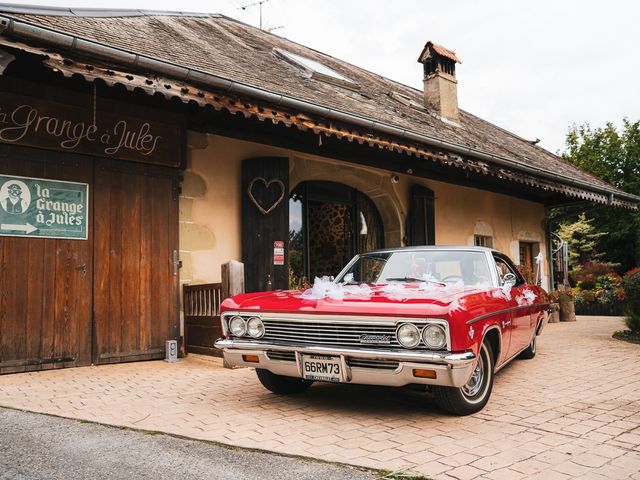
(567,309)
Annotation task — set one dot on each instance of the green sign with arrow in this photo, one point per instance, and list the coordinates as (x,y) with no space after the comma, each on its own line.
(37,207)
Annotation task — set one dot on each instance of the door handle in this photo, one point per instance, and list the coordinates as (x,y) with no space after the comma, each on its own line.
(82,268)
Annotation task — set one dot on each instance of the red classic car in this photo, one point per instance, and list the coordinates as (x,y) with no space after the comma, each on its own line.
(444,317)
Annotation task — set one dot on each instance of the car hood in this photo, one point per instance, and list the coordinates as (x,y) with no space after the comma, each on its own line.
(387,300)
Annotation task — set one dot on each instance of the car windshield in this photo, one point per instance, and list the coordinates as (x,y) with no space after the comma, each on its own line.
(444,267)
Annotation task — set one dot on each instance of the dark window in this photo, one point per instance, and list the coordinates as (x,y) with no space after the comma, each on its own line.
(328,224)
(504,266)
(483,241)
(421,229)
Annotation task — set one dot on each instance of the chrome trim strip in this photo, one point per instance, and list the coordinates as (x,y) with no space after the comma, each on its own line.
(299,363)
(506,310)
(444,324)
(443,358)
(495,279)
(346,369)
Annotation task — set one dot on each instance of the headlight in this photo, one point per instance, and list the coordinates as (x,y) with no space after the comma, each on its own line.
(434,336)
(255,327)
(237,326)
(408,335)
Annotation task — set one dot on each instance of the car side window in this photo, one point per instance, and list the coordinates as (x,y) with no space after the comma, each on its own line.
(504,268)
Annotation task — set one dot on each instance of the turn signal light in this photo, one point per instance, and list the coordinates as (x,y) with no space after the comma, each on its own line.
(420,373)
(251,358)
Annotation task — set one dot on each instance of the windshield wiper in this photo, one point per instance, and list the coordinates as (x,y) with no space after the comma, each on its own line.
(413,279)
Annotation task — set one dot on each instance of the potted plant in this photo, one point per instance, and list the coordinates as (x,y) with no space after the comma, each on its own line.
(554,299)
(566,296)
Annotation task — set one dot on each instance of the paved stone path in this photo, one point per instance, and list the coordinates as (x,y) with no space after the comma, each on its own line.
(572,412)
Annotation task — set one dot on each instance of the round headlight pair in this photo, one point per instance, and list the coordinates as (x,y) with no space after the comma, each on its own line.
(433,336)
(252,327)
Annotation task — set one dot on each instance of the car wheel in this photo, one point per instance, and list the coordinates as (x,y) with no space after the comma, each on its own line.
(529,352)
(280,384)
(473,396)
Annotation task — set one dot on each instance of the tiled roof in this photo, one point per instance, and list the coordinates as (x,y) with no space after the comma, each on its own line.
(227,48)
(440,50)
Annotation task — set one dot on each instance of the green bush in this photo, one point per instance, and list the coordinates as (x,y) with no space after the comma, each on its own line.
(631,284)
(633,322)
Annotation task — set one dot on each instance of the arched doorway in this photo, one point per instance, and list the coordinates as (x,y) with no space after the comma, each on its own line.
(329,223)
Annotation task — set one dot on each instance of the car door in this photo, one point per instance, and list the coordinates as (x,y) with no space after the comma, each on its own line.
(519,304)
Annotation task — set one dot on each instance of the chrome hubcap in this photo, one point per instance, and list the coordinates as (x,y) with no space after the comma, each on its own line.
(474,384)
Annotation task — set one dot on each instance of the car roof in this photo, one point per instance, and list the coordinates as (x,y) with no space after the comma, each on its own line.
(461,248)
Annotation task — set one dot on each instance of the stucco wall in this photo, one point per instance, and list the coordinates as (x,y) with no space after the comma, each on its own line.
(210,205)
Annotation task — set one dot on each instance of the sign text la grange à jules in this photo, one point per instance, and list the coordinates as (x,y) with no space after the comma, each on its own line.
(38,123)
(35,207)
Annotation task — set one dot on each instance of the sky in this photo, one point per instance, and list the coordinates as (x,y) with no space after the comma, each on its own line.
(534,68)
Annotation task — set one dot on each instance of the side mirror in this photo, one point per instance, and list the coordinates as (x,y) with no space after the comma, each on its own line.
(509,279)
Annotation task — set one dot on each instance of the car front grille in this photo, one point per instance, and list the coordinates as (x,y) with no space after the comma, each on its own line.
(332,334)
(282,356)
(377,364)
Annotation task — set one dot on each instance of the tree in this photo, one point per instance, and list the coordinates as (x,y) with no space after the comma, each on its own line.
(613,155)
(582,238)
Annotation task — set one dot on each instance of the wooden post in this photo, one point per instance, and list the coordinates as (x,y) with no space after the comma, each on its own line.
(232,279)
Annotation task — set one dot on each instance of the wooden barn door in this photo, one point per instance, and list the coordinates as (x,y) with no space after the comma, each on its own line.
(135,254)
(45,283)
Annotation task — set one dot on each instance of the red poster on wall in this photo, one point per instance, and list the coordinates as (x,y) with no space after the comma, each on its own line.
(278,252)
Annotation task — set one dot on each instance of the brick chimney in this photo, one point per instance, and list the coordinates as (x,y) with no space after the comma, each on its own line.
(440,84)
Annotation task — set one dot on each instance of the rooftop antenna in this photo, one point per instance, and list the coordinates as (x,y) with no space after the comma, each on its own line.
(259,3)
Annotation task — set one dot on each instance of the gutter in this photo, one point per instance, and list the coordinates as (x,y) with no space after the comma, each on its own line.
(11,26)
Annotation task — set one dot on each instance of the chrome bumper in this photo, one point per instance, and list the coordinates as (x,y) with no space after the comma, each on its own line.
(452,369)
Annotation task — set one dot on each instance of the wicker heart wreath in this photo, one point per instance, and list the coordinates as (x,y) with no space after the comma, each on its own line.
(267,185)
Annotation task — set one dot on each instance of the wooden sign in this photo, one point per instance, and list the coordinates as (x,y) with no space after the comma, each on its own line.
(38,207)
(38,123)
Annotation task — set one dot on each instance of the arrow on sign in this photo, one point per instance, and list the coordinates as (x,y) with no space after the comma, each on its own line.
(28,228)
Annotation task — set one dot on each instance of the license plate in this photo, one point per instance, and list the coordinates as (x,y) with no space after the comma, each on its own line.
(321,367)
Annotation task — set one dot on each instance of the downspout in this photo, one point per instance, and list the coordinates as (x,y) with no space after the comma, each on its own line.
(549,241)
(11,26)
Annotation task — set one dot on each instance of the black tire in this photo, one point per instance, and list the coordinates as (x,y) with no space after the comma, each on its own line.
(473,396)
(529,352)
(280,384)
